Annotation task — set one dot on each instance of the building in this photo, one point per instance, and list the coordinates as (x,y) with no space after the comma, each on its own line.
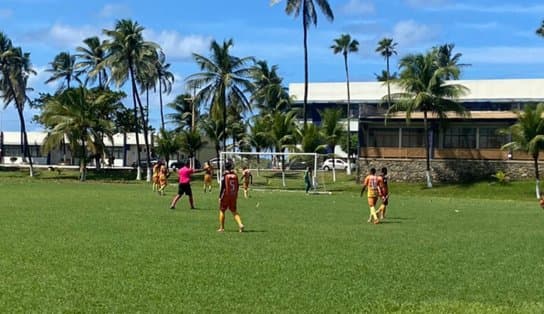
(491,104)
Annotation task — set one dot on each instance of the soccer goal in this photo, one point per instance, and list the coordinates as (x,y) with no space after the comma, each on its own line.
(276,171)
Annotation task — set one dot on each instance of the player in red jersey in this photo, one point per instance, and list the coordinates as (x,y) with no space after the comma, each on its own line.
(384,190)
(228,196)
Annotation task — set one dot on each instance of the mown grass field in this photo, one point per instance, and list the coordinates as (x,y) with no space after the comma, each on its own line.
(115,246)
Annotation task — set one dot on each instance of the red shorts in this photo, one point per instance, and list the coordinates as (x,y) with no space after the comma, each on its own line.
(228,203)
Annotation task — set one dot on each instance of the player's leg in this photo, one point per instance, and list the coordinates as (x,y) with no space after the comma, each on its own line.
(190,194)
(177,197)
(236,216)
(372,204)
(221,220)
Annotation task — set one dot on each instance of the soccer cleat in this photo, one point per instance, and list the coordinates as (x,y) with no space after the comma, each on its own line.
(376,222)
(172,207)
(241,229)
(220,230)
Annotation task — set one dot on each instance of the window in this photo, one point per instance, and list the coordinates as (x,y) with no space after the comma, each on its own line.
(490,139)
(383,137)
(117,152)
(460,138)
(412,137)
(17,151)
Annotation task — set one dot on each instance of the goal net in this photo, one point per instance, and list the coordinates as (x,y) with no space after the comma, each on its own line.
(276,171)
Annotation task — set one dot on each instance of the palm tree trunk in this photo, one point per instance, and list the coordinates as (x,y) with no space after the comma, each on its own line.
(348,105)
(304,23)
(26,151)
(160,103)
(537,176)
(83,162)
(388,85)
(283,167)
(136,131)
(427,151)
(144,124)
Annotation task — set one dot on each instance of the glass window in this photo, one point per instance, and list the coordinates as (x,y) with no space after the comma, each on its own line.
(16,150)
(489,138)
(460,138)
(412,137)
(383,137)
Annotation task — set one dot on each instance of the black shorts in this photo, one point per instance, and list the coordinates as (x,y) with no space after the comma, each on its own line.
(185,188)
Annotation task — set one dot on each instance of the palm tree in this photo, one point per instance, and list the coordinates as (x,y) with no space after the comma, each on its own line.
(310,139)
(269,94)
(73,114)
(528,135)
(91,56)
(224,80)
(182,117)
(165,79)
(345,45)
(15,68)
(168,143)
(332,131)
(385,77)
(130,54)
(191,142)
(309,16)
(450,61)
(213,129)
(423,82)
(386,48)
(63,67)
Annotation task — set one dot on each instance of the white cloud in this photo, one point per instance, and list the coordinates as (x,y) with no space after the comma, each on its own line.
(62,36)
(5,13)
(114,10)
(503,55)
(177,46)
(409,33)
(358,7)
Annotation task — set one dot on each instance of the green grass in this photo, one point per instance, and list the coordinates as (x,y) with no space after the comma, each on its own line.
(102,247)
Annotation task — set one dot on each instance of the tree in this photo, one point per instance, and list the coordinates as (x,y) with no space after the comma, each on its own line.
(191,142)
(73,114)
(165,79)
(344,44)
(386,48)
(214,131)
(92,55)
(269,94)
(449,61)
(224,79)
(15,69)
(385,77)
(528,135)
(182,117)
(425,90)
(63,67)
(332,132)
(130,54)
(310,139)
(309,16)
(168,143)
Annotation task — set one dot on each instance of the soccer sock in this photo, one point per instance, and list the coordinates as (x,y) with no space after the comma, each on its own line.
(221,220)
(191,201)
(373,212)
(238,219)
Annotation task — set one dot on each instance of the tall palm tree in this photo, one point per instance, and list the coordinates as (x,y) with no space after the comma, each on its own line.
(386,48)
(224,80)
(213,129)
(269,94)
(182,117)
(385,77)
(425,90)
(91,56)
(15,69)
(73,114)
(449,61)
(191,142)
(344,44)
(63,68)
(528,135)
(168,143)
(129,54)
(332,132)
(307,8)
(165,78)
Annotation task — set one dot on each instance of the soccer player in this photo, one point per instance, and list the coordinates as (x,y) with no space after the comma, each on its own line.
(372,183)
(308,179)
(163,178)
(184,186)
(384,189)
(247,179)
(155,177)
(208,176)
(228,196)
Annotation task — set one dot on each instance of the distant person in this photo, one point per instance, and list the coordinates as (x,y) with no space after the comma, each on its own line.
(384,190)
(184,185)
(155,177)
(228,196)
(372,183)
(308,179)
(163,178)
(208,177)
(247,179)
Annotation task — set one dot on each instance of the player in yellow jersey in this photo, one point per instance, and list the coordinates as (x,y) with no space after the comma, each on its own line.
(372,184)
(247,179)
(228,197)
(155,177)
(208,176)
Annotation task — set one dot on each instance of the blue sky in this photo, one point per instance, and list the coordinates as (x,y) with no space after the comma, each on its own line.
(496,37)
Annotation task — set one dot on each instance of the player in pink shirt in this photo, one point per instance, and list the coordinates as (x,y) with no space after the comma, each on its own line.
(184,186)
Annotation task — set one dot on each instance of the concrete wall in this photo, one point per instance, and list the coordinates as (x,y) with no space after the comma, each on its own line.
(406,170)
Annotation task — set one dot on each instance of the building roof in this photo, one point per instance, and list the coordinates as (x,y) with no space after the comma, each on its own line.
(497,90)
(36,138)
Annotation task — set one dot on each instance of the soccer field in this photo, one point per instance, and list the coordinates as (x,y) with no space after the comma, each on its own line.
(109,247)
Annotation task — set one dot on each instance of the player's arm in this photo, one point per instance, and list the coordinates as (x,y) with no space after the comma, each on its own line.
(222,188)
(365,183)
(250,178)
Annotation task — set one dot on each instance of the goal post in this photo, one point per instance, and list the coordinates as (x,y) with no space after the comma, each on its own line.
(274,170)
